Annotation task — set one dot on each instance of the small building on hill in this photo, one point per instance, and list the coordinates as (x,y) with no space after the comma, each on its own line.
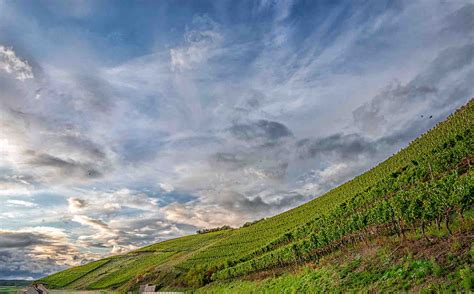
(151,289)
(147,288)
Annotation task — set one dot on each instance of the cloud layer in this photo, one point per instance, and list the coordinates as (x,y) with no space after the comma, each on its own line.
(119,128)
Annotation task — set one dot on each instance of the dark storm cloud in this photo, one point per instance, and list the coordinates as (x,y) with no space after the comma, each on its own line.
(67,167)
(229,160)
(257,205)
(235,201)
(77,203)
(339,145)
(21,239)
(86,146)
(263,147)
(260,130)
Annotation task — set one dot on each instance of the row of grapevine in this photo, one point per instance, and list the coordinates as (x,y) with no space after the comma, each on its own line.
(437,152)
(415,208)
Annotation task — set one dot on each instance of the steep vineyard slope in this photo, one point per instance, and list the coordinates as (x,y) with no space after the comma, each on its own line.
(429,183)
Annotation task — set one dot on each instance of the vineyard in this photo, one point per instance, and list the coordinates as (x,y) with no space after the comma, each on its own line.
(426,187)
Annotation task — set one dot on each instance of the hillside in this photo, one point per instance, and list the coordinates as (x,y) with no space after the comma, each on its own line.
(405,224)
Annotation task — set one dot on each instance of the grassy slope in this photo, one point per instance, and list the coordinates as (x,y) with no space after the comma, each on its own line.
(115,271)
(12,286)
(383,264)
(65,278)
(9,289)
(192,259)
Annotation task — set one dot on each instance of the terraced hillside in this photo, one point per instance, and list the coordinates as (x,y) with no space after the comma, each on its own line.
(424,193)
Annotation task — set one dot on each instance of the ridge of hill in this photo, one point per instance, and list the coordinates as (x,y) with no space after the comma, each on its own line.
(423,194)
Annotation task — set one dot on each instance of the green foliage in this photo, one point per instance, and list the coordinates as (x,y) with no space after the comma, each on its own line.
(466,278)
(66,277)
(251,223)
(206,231)
(186,243)
(9,289)
(437,269)
(361,274)
(141,264)
(350,267)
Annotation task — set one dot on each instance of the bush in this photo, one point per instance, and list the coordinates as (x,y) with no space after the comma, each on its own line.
(205,231)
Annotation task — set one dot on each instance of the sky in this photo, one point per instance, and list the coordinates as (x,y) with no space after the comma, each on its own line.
(126,123)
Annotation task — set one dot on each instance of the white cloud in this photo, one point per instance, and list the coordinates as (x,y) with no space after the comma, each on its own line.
(21,203)
(167,187)
(94,223)
(199,44)
(124,233)
(102,202)
(12,64)
(201,216)
(8,215)
(334,173)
